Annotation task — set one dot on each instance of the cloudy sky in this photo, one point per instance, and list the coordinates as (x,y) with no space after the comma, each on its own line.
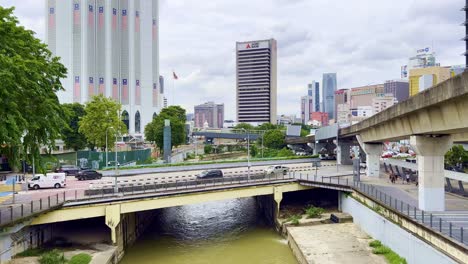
(363,41)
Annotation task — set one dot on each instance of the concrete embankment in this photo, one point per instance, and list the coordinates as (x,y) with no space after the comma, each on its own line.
(321,241)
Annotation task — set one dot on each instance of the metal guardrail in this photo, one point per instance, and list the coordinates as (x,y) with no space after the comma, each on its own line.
(14,212)
(428,219)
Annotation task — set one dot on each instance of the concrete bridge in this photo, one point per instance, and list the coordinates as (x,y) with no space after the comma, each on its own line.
(122,210)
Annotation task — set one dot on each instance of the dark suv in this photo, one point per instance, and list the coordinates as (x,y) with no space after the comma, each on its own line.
(68,169)
(210,174)
(88,175)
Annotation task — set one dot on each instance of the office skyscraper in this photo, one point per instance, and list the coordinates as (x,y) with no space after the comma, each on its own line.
(256,81)
(211,113)
(328,94)
(311,102)
(109,47)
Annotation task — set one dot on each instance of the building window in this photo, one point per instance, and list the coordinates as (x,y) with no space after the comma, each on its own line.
(137,122)
(155,115)
(126,119)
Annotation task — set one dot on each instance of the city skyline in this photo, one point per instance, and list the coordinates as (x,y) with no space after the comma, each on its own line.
(204,60)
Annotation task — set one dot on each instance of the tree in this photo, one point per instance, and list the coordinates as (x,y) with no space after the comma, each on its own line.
(285,152)
(70,134)
(267,126)
(154,130)
(274,139)
(253,151)
(208,149)
(31,115)
(245,126)
(101,117)
(456,155)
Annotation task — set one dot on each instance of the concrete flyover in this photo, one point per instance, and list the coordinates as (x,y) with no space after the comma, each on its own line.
(227,135)
(432,120)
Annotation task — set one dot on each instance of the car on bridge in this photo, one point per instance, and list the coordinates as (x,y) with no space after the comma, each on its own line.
(277,169)
(68,169)
(210,174)
(88,175)
(50,180)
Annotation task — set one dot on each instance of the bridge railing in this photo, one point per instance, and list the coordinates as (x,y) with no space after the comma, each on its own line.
(432,220)
(171,186)
(11,213)
(428,219)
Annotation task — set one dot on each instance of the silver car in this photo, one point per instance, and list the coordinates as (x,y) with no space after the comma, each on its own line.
(277,169)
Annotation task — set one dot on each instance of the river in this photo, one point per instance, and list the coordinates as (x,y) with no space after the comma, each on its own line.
(225,232)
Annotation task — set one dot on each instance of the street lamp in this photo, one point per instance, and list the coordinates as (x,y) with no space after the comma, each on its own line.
(116,189)
(107,156)
(248,152)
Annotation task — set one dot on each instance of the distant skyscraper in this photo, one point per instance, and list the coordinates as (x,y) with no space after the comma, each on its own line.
(399,89)
(328,94)
(311,102)
(110,47)
(256,81)
(211,113)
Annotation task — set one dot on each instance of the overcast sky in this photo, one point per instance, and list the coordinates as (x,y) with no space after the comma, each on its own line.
(363,41)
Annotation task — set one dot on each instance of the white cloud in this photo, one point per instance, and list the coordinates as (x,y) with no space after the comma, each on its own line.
(364,41)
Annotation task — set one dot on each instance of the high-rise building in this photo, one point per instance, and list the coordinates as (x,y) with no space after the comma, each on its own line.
(210,113)
(256,81)
(310,103)
(342,106)
(424,58)
(362,96)
(398,88)
(382,102)
(314,92)
(110,47)
(423,78)
(328,94)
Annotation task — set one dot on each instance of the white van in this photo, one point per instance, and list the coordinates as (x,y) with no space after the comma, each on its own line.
(50,180)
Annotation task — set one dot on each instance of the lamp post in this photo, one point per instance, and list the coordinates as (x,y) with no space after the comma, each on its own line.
(107,156)
(116,189)
(248,152)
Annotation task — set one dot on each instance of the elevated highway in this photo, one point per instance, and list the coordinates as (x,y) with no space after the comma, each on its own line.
(432,120)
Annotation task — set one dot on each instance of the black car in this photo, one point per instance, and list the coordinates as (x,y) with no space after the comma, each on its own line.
(210,174)
(88,175)
(68,169)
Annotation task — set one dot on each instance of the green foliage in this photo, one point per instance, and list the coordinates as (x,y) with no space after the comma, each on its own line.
(266,126)
(274,139)
(285,152)
(70,134)
(31,252)
(245,126)
(253,151)
(81,258)
(390,256)
(456,155)
(31,115)
(314,212)
(52,257)
(149,160)
(294,219)
(101,116)
(208,149)
(375,243)
(154,131)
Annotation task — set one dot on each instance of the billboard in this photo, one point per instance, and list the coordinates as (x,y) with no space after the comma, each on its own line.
(404,71)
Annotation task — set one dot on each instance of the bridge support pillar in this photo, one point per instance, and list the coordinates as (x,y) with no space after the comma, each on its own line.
(430,156)
(318,147)
(343,154)
(278,196)
(373,152)
(113,220)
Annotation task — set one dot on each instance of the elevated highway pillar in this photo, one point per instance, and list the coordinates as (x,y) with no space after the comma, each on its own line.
(373,152)
(430,158)
(343,153)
